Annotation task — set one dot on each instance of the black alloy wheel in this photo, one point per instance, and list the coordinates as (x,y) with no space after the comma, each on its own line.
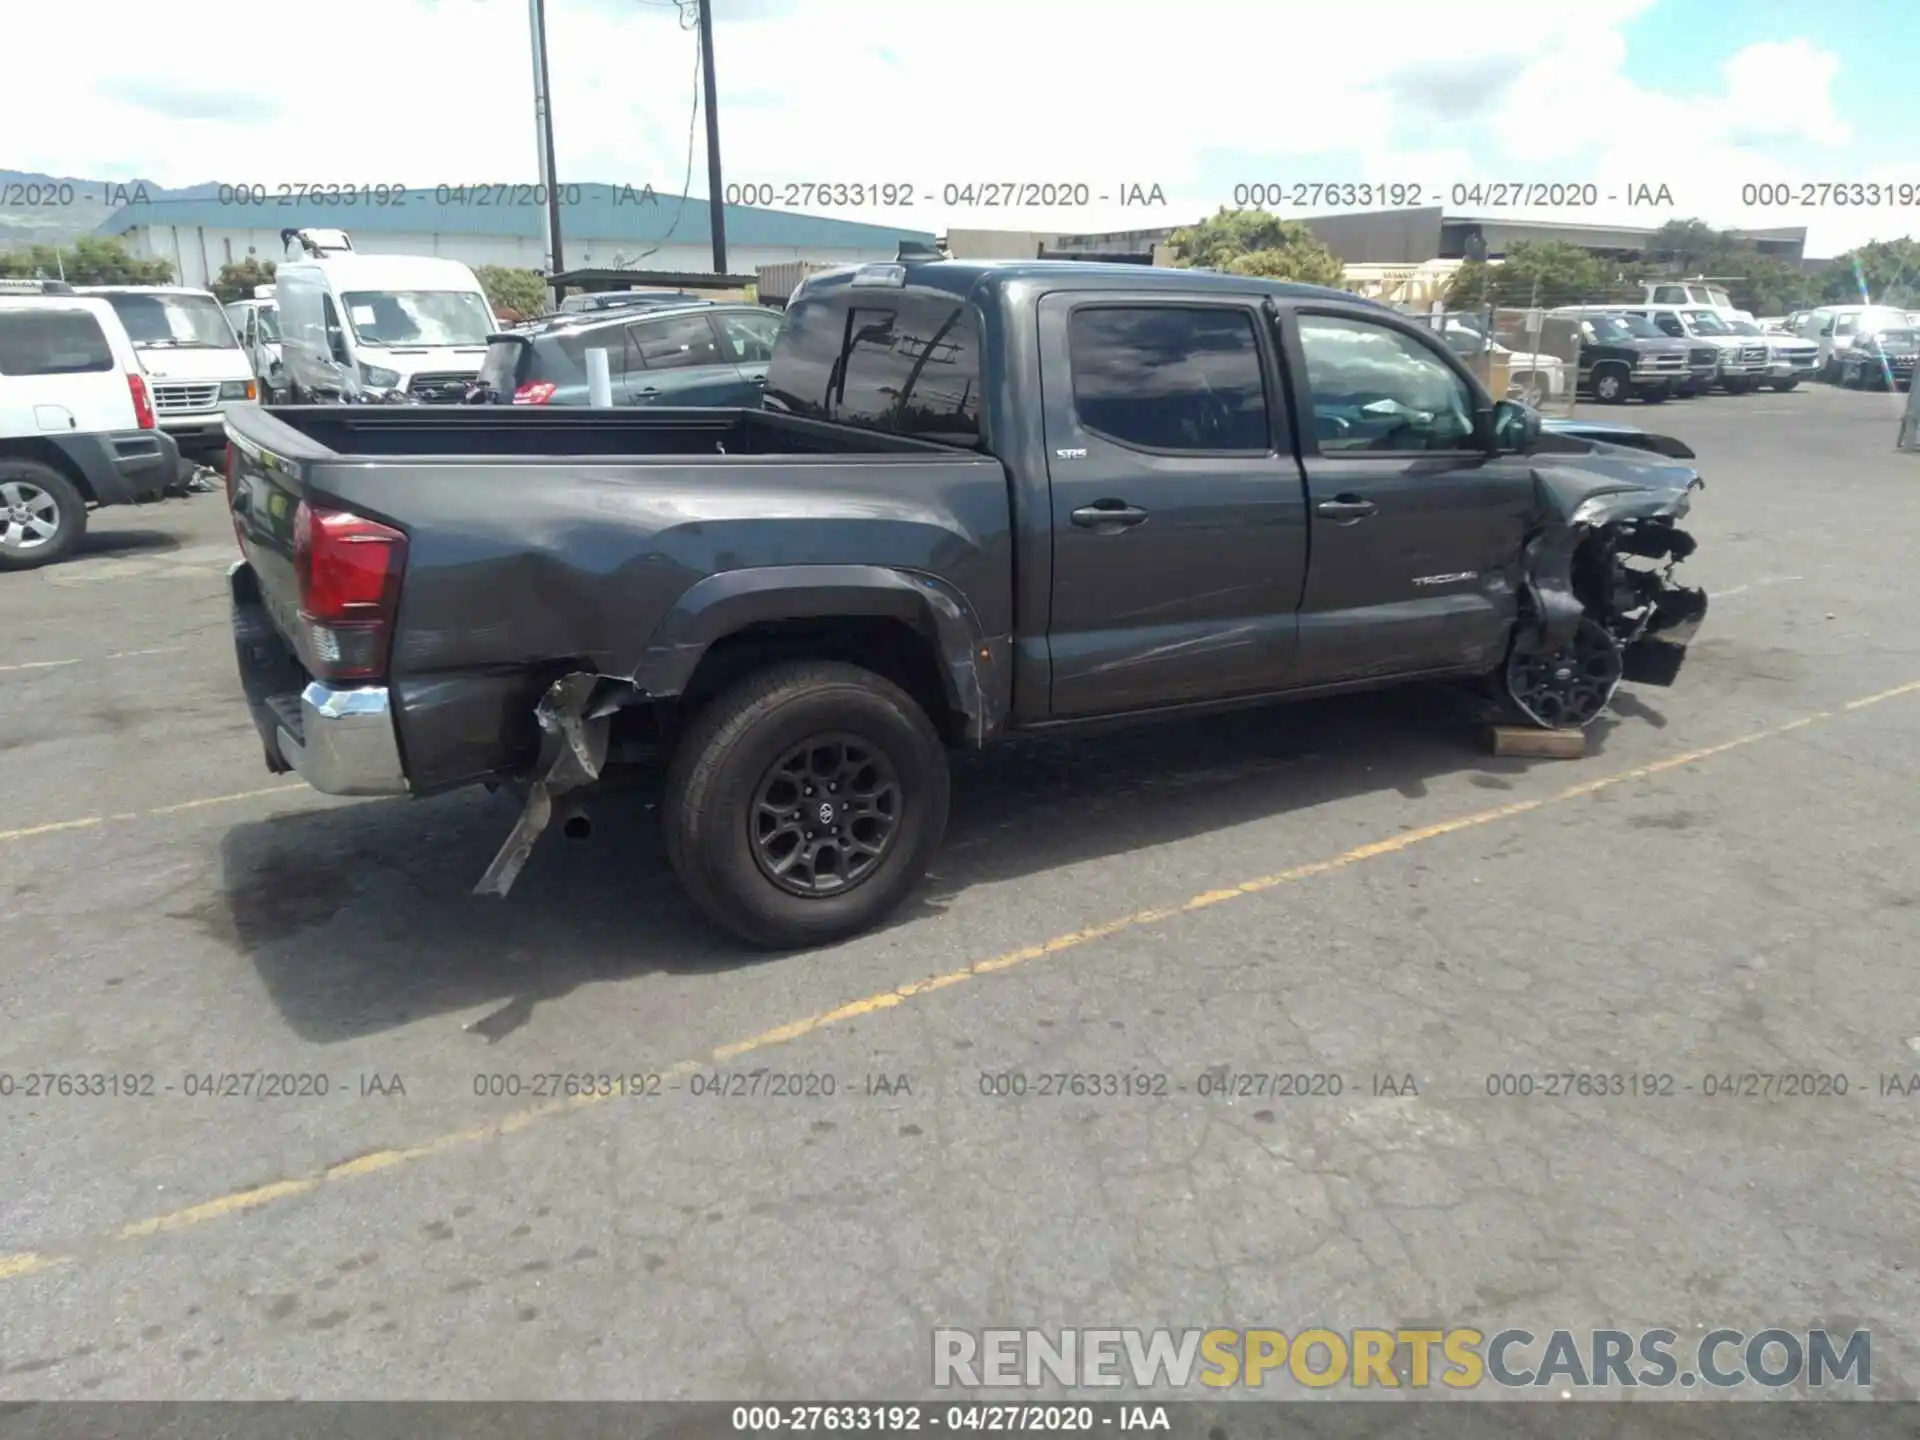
(1567,688)
(825,814)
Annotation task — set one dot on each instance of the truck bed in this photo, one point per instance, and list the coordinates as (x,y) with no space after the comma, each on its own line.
(471,431)
(541,542)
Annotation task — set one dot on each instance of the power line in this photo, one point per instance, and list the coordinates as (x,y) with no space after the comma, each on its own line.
(693,119)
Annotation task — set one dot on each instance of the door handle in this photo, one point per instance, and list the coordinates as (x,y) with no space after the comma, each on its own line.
(1109,517)
(1346,508)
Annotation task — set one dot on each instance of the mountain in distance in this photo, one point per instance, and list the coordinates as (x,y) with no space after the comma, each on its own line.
(40,209)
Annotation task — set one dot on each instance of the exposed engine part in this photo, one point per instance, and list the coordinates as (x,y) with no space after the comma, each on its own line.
(1602,607)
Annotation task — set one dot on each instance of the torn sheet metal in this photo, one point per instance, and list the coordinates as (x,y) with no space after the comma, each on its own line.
(575,718)
(1597,620)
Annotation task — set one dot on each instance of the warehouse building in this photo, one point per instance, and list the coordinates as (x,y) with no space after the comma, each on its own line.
(1381,237)
(601,227)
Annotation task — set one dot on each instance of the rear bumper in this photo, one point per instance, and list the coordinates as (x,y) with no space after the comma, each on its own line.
(123,467)
(340,740)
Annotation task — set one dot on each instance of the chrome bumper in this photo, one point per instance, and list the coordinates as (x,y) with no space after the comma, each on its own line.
(340,740)
(347,744)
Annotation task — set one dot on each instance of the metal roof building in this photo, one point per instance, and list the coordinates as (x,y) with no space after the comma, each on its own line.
(601,226)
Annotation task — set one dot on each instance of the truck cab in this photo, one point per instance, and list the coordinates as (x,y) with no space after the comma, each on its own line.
(1696,294)
(257,322)
(191,358)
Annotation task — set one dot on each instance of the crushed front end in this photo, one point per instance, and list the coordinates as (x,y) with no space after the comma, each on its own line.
(1602,604)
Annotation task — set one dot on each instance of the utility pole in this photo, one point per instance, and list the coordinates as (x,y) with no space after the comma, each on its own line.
(716,212)
(543,117)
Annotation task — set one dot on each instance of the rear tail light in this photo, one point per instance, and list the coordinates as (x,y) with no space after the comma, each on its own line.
(142,401)
(349,571)
(535,392)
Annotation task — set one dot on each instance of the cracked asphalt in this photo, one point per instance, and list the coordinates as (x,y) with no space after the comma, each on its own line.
(1725,885)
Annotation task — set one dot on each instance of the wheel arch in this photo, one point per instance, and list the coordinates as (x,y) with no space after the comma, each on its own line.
(915,628)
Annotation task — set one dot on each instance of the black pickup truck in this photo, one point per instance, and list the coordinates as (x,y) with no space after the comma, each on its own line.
(978,498)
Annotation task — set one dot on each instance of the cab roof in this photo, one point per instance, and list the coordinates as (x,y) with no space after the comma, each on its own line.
(962,278)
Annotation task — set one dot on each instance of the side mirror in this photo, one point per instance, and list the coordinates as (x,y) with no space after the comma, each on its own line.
(1827,329)
(1516,427)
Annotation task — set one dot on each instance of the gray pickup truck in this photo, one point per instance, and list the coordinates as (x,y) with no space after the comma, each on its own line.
(978,499)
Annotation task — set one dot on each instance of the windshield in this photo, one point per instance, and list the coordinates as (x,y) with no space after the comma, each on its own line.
(1707,323)
(1611,329)
(1641,328)
(270,324)
(384,318)
(1708,295)
(1899,339)
(174,322)
(1744,327)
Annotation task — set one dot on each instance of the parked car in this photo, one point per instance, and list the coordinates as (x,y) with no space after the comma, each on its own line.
(1789,358)
(592,302)
(357,327)
(1697,294)
(195,368)
(257,323)
(704,354)
(1533,378)
(77,424)
(1882,358)
(1619,360)
(1742,361)
(980,498)
(1835,327)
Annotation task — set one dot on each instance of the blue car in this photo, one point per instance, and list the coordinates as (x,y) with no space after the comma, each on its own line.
(698,353)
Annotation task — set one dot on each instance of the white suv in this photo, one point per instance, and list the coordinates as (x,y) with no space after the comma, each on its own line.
(77,424)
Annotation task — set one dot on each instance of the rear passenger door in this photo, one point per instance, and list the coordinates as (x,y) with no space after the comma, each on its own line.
(58,374)
(1179,523)
(1417,525)
(678,360)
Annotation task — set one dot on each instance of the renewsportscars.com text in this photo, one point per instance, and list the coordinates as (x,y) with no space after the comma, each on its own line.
(1454,1358)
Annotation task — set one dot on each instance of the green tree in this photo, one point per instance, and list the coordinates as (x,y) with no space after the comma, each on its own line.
(1535,273)
(1760,283)
(1252,242)
(1890,268)
(522,291)
(90,260)
(237,279)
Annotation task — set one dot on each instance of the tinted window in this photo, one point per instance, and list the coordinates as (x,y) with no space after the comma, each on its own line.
(1670,324)
(1377,389)
(52,342)
(1670,294)
(751,335)
(570,363)
(906,363)
(672,344)
(1166,378)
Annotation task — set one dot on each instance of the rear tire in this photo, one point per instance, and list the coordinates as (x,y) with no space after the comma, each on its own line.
(738,804)
(42,515)
(1656,394)
(1738,384)
(1783,386)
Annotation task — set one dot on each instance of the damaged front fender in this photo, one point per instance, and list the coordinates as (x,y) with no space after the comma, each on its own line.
(1600,601)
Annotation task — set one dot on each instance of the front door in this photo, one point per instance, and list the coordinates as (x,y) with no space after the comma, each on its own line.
(1417,527)
(1179,524)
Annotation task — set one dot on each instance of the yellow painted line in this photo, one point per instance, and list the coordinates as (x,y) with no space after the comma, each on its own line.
(379,1160)
(90,821)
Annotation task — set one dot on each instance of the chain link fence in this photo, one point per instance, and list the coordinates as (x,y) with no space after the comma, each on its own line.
(1526,355)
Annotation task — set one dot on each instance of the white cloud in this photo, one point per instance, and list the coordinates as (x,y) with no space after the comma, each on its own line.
(439,91)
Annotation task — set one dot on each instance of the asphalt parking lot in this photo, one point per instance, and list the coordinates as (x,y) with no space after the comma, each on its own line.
(1725,885)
